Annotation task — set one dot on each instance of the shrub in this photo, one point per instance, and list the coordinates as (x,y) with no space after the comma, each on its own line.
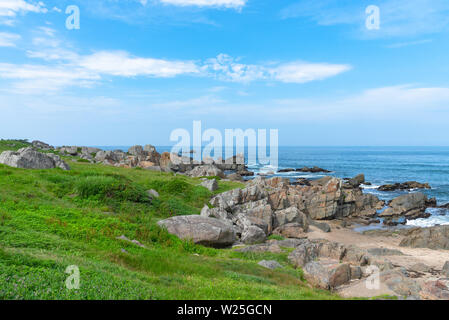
(104,187)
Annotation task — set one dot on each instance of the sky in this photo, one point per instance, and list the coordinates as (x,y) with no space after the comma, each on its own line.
(135,70)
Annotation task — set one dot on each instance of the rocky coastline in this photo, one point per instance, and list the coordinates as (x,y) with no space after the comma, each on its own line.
(314,219)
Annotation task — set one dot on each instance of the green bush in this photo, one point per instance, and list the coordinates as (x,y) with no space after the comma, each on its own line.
(104,187)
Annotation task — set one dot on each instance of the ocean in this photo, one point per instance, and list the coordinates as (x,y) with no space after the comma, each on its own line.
(381,165)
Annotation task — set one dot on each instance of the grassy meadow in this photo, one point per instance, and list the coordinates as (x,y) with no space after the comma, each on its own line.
(51,219)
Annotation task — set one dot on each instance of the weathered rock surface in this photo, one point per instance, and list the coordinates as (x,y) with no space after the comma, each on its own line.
(270,264)
(432,238)
(253,235)
(327,274)
(410,185)
(411,205)
(42,145)
(291,230)
(206,171)
(28,158)
(201,230)
(210,184)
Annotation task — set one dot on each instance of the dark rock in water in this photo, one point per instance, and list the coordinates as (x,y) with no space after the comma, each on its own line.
(286,170)
(444,206)
(245,173)
(409,185)
(313,170)
(432,238)
(357,180)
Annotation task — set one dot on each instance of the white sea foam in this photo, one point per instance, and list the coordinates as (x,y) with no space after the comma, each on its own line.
(429,222)
(370,187)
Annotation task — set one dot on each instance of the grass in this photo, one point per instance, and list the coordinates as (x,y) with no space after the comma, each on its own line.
(52,219)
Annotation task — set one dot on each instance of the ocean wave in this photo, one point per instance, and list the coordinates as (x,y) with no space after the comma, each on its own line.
(370,187)
(429,222)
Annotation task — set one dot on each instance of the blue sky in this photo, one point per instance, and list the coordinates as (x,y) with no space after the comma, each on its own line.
(136,70)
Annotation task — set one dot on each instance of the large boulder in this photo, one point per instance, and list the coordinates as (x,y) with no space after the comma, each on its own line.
(253,235)
(327,274)
(206,171)
(291,230)
(28,158)
(201,230)
(42,145)
(290,215)
(411,205)
(432,238)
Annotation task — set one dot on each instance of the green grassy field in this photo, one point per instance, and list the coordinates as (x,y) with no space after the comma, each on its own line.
(51,219)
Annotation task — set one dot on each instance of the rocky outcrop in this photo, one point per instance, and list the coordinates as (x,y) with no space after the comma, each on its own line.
(201,230)
(41,145)
(28,158)
(327,274)
(432,238)
(206,171)
(409,185)
(411,206)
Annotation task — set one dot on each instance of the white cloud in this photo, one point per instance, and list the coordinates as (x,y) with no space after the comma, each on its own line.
(123,64)
(10,8)
(207,3)
(299,72)
(8,39)
(227,68)
(39,78)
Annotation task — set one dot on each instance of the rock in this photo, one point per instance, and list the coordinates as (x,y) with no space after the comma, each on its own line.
(384,252)
(41,145)
(235,177)
(136,151)
(210,184)
(227,200)
(411,205)
(153,194)
(216,213)
(435,290)
(291,230)
(320,225)
(27,158)
(445,269)
(404,186)
(245,173)
(149,148)
(206,171)
(290,215)
(253,235)
(271,264)
(356,272)
(313,170)
(327,274)
(201,230)
(257,213)
(400,283)
(286,170)
(420,267)
(432,238)
(357,180)
(303,254)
